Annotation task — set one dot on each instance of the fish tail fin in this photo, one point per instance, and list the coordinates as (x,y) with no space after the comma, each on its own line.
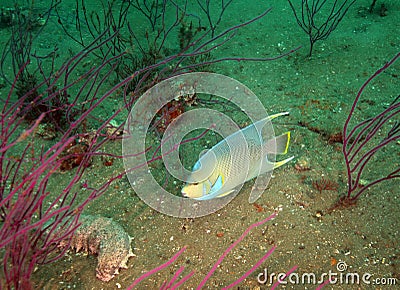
(282,143)
(278,145)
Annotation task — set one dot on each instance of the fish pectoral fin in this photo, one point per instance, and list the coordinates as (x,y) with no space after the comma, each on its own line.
(217,184)
(280,163)
(213,193)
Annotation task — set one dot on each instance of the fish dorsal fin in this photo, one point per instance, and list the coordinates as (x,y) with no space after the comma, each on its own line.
(255,131)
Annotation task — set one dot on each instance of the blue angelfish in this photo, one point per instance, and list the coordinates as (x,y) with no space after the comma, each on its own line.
(236,159)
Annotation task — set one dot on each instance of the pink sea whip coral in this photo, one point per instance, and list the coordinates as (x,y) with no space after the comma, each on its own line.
(366,139)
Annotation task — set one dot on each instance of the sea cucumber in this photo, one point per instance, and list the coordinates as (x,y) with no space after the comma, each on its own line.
(104,237)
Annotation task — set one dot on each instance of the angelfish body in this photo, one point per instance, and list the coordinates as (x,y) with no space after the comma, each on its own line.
(238,158)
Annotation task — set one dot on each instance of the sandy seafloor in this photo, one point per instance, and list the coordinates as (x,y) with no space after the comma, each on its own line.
(317,91)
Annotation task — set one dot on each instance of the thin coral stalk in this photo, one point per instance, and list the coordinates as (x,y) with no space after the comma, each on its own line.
(230,248)
(157,269)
